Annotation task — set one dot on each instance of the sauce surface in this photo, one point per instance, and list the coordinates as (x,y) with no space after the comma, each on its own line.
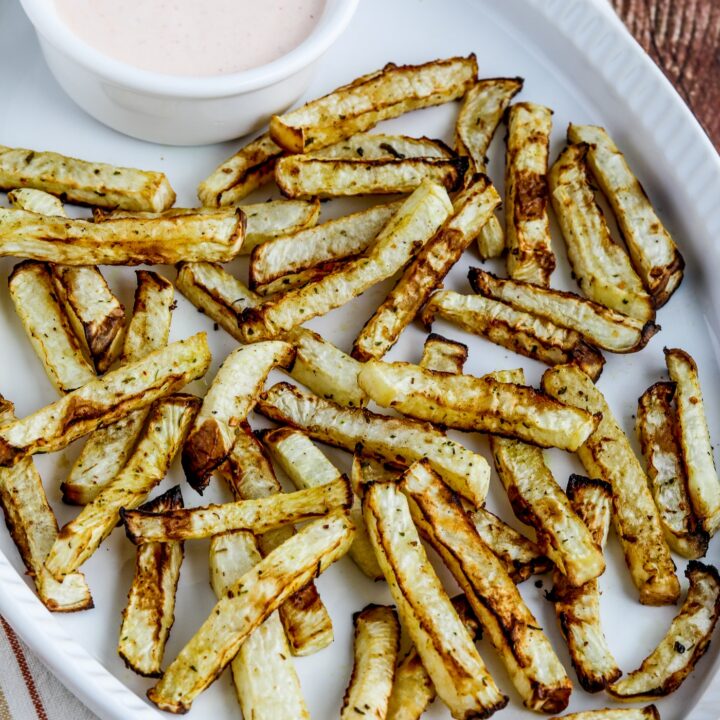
(192,37)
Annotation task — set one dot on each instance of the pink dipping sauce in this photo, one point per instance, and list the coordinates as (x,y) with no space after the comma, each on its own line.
(192,37)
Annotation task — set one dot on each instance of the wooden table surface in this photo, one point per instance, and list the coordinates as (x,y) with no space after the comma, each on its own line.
(683,37)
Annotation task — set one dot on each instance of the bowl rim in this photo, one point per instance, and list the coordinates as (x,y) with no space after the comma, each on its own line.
(335,18)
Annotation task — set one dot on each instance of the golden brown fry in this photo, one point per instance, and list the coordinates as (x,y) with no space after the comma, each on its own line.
(647,713)
(530,256)
(694,438)
(381,95)
(215,237)
(656,429)
(377,146)
(376,646)
(522,332)
(443,355)
(601,267)
(664,670)
(480,404)
(150,610)
(471,210)
(607,455)
(257,594)
(84,182)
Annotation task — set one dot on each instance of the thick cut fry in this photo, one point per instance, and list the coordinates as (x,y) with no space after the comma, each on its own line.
(107,449)
(259,516)
(655,427)
(257,594)
(647,713)
(534,668)
(213,237)
(578,608)
(520,556)
(694,438)
(395,440)
(307,467)
(381,95)
(664,670)
(376,146)
(304,176)
(377,642)
(607,455)
(95,314)
(522,332)
(33,528)
(48,329)
(471,403)
(249,168)
(539,501)
(105,400)
(227,403)
(413,689)
(601,267)
(150,610)
(472,209)
(266,683)
(250,475)
(443,643)
(321,366)
(83,182)
(530,256)
(411,227)
(653,252)
(162,437)
(600,326)
(443,355)
(295,281)
(345,237)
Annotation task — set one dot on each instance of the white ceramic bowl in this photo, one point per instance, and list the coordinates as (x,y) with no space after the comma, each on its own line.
(176,110)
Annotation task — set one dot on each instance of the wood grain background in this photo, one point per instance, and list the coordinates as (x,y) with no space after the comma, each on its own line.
(683,37)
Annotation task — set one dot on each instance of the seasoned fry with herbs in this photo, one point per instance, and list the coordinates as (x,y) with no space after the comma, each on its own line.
(529,250)
(694,438)
(333,240)
(307,467)
(376,146)
(411,227)
(656,429)
(367,100)
(601,267)
(471,210)
(607,455)
(249,168)
(213,237)
(535,670)
(259,516)
(600,326)
(107,449)
(227,403)
(539,501)
(647,713)
(266,683)
(664,670)
(33,293)
(83,182)
(445,646)
(399,441)
(162,436)
(257,594)
(443,355)
(480,404)
(150,610)
(653,252)
(321,366)
(377,642)
(250,475)
(105,400)
(33,528)
(522,332)
(578,608)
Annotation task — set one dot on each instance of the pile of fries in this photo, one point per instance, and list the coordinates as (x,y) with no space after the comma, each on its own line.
(120,387)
